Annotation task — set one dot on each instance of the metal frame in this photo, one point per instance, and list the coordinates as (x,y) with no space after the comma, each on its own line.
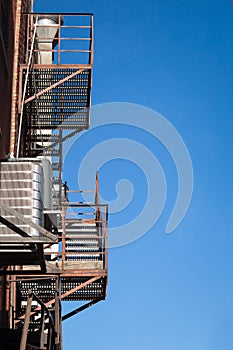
(71,281)
(53,337)
(78,279)
(16,244)
(60,64)
(88,27)
(67,34)
(48,236)
(61,296)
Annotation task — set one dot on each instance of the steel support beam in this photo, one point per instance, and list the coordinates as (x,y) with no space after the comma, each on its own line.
(13,227)
(51,302)
(49,236)
(79,309)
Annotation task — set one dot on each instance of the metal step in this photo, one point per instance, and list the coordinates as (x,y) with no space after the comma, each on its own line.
(77,246)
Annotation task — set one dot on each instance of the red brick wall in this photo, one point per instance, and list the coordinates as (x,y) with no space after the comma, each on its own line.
(11,50)
(6,64)
(19,47)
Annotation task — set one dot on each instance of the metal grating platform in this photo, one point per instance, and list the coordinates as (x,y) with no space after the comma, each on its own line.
(64,105)
(45,289)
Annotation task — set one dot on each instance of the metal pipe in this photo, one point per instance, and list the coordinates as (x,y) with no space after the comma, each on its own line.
(24,91)
(79,309)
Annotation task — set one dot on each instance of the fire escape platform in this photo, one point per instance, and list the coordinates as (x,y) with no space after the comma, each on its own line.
(78,268)
(72,288)
(82,263)
(57,98)
(57,88)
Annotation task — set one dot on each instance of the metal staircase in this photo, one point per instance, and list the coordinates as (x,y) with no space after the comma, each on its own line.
(81,238)
(79,267)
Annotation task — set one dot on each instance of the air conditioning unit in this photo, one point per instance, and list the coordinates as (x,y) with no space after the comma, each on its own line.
(26,186)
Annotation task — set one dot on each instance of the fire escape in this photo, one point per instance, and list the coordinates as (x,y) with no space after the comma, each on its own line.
(53,246)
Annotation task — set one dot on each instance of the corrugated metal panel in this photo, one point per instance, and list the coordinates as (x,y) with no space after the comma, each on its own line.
(21,185)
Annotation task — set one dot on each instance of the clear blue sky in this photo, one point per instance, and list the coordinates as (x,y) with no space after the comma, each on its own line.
(167,292)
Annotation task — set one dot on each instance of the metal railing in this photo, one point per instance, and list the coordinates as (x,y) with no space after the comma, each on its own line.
(84,234)
(49,329)
(73,40)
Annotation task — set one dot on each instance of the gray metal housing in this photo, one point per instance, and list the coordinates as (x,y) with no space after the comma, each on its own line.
(25,185)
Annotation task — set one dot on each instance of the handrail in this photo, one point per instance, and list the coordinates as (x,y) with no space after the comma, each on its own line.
(79,34)
(60,13)
(100,216)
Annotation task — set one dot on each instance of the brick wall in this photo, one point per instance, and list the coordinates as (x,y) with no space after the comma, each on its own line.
(11,54)
(7,17)
(19,49)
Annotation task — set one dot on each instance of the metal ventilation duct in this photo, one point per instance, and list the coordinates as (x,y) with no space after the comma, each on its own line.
(47,27)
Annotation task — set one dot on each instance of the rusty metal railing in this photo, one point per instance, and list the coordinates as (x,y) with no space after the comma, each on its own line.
(84,235)
(73,40)
(49,328)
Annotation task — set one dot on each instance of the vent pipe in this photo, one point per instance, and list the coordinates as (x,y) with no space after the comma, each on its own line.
(47,27)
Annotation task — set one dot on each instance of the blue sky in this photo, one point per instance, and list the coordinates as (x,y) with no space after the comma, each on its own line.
(166,292)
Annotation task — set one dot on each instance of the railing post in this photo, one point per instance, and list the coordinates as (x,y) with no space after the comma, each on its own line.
(49,337)
(59,41)
(106,239)
(57,312)
(42,329)
(91,54)
(23,342)
(63,236)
